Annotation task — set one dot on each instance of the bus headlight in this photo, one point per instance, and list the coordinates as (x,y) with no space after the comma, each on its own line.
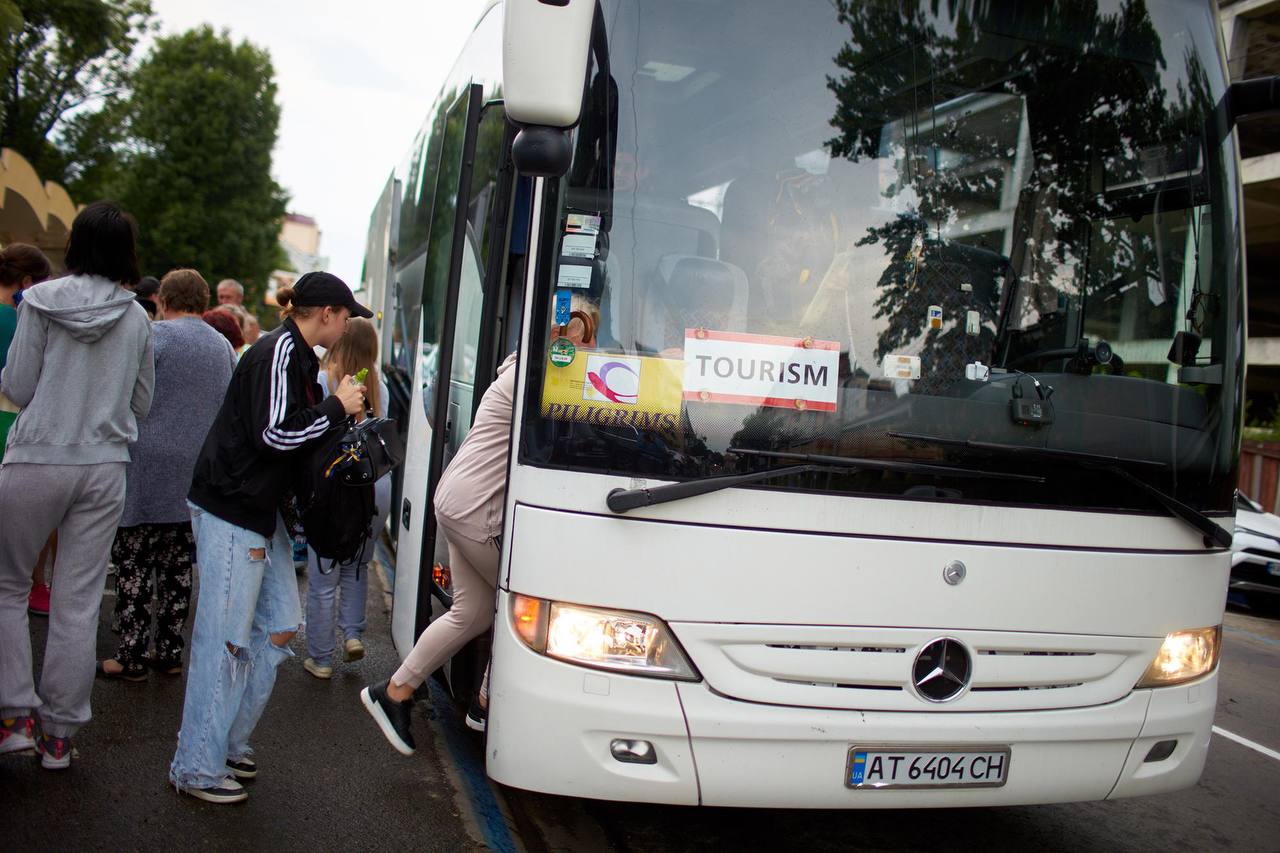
(618,640)
(1184,655)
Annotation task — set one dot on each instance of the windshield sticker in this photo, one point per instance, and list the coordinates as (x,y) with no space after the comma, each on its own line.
(575,276)
(935,317)
(901,367)
(578,246)
(977,372)
(612,390)
(760,370)
(612,379)
(972,323)
(582,223)
(564,305)
(562,352)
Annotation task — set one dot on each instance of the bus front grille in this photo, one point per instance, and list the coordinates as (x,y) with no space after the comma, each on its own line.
(862,668)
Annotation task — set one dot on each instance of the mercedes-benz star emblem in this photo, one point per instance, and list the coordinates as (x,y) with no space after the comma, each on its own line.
(953,572)
(942,670)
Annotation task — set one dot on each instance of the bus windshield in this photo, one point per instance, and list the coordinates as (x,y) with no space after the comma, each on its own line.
(909,231)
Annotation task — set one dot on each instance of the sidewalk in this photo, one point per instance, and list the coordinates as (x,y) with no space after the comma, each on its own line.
(327,781)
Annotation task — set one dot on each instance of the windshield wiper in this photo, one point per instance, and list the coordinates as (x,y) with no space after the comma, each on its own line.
(895,465)
(1213,534)
(621,500)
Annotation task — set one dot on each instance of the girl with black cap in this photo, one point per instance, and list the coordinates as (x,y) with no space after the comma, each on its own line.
(248,608)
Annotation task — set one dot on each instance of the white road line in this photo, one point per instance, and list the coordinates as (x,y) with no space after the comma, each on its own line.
(1244,741)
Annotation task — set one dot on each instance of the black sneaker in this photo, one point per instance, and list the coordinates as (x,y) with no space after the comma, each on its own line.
(242,768)
(392,717)
(477,717)
(226,791)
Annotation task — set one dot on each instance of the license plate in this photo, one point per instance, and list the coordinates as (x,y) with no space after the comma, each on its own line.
(942,767)
(1273,568)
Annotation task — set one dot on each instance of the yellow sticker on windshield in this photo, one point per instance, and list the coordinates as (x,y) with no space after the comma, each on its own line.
(607,389)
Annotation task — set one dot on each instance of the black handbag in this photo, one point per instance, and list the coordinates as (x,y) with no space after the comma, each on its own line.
(367,452)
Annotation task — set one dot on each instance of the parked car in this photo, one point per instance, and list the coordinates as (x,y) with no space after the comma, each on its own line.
(1255,555)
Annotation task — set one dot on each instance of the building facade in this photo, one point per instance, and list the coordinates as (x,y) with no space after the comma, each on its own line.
(1251,29)
(300,240)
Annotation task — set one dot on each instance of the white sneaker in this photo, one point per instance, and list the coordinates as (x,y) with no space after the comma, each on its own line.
(227,791)
(354,649)
(318,670)
(55,752)
(17,734)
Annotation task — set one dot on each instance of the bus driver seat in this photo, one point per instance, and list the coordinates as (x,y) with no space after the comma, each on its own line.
(690,292)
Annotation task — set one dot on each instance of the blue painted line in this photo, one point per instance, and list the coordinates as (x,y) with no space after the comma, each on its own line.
(1270,641)
(469,762)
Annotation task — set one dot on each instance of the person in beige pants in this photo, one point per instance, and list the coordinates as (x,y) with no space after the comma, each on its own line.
(468,505)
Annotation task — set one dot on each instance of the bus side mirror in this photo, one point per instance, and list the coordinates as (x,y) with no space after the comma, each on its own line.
(1247,97)
(544,65)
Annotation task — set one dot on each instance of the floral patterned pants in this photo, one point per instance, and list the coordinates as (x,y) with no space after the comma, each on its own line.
(165,551)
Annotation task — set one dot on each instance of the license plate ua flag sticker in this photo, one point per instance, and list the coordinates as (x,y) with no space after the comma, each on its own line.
(941,767)
(760,370)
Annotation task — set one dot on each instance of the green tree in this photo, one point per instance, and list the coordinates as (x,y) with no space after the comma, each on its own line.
(1115,106)
(202,123)
(66,64)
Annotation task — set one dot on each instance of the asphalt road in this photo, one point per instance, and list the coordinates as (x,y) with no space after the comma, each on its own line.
(329,782)
(327,779)
(1236,805)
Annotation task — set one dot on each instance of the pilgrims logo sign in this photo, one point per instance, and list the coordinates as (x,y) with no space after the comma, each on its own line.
(616,391)
(611,379)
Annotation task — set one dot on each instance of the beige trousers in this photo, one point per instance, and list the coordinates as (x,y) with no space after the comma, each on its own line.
(474,569)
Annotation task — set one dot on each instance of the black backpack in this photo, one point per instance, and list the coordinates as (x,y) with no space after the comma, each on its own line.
(335,496)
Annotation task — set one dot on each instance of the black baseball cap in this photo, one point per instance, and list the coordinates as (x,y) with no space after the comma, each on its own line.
(148,286)
(321,289)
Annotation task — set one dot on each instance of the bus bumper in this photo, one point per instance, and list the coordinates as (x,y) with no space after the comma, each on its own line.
(551,726)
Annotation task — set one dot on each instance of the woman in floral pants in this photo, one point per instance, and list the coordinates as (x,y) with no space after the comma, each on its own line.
(193,367)
(136,552)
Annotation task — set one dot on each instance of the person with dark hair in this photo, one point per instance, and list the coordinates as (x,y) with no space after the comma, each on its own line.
(193,369)
(107,245)
(248,609)
(146,292)
(225,323)
(22,265)
(64,467)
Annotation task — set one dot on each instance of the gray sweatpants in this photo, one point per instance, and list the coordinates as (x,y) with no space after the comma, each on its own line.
(83,503)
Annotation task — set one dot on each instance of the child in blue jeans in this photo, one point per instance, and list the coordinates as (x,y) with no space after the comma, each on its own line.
(347,582)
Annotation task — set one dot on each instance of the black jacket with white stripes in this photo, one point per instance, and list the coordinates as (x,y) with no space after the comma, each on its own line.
(274,408)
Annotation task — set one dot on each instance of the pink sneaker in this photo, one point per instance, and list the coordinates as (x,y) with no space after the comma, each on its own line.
(17,734)
(55,752)
(38,601)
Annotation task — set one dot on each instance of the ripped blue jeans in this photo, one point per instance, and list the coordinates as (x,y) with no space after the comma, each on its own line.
(248,591)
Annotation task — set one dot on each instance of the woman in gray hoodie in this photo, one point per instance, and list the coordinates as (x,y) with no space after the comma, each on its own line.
(80,366)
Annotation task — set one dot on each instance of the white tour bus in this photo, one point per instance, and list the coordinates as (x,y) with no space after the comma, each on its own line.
(879,398)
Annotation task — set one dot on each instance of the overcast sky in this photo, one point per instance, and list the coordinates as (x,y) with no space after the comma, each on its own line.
(355,82)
